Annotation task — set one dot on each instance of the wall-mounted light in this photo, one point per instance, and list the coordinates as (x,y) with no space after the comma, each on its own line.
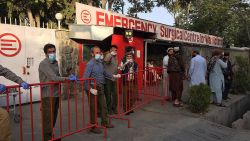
(129,35)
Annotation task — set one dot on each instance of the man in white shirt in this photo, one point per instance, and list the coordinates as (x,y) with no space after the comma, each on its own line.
(165,74)
(198,69)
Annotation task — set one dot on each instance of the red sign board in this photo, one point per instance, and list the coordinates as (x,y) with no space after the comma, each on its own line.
(87,15)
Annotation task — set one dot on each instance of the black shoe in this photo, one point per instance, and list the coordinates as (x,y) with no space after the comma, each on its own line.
(128,113)
(109,126)
(96,130)
(220,105)
(131,111)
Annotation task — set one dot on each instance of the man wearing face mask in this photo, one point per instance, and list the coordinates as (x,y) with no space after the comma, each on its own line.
(111,66)
(49,72)
(95,69)
(129,68)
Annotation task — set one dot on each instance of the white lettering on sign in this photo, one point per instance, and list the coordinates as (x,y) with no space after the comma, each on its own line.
(88,15)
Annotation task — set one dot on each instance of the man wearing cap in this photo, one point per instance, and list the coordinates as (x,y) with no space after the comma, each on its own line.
(129,68)
(176,71)
(165,74)
(228,75)
(197,69)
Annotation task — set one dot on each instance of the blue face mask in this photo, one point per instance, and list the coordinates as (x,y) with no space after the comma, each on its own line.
(97,56)
(52,57)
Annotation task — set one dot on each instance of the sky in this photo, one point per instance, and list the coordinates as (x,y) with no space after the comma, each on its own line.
(158,14)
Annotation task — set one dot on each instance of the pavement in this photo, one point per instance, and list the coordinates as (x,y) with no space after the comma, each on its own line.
(153,122)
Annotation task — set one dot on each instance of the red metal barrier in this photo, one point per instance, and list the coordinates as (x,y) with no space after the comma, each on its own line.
(134,90)
(74,113)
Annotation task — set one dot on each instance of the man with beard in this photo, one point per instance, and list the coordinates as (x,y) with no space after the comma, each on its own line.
(176,70)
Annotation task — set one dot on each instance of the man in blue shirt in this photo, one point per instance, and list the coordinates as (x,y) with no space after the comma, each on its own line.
(198,69)
(95,69)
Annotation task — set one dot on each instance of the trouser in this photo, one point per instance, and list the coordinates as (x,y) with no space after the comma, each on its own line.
(101,104)
(129,95)
(47,129)
(176,85)
(228,84)
(217,97)
(5,129)
(177,95)
(165,85)
(111,96)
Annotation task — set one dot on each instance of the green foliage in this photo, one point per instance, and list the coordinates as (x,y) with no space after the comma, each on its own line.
(242,75)
(44,10)
(226,18)
(199,98)
(140,6)
(118,6)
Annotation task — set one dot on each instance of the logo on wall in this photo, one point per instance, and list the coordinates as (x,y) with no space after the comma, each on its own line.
(86,16)
(10,45)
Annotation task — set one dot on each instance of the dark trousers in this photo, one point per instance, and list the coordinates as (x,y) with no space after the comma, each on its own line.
(111,96)
(176,85)
(129,95)
(47,129)
(228,84)
(101,104)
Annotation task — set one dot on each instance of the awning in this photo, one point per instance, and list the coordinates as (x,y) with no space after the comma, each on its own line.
(90,32)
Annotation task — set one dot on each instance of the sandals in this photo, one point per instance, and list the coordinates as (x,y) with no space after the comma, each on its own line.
(177,104)
(220,105)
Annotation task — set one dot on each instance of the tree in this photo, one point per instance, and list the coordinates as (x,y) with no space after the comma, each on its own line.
(118,6)
(227,18)
(140,6)
(34,10)
(179,9)
(42,10)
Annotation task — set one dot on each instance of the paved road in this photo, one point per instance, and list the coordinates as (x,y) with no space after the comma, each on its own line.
(152,123)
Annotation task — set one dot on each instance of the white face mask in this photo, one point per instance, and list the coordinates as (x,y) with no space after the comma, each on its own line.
(113,53)
(101,57)
(97,56)
(129,60)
